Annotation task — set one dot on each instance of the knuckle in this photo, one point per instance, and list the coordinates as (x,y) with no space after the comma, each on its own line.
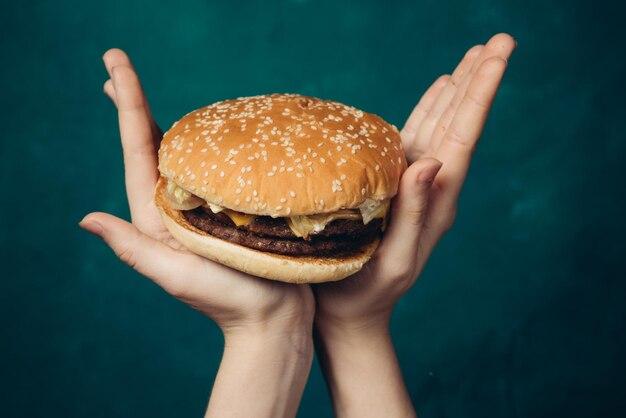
(441,221)
(398,271)
(397,268)
(415,214)
(178,288)
(453,136)
(127,255)
(432,117)
(446,222)
(477,102)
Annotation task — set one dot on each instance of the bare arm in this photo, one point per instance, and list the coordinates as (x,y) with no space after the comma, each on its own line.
(263,372)
(363,373)
(352,318)
(266,325)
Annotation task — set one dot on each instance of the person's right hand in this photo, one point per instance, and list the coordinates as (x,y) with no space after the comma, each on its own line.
(233,299)
(266,324)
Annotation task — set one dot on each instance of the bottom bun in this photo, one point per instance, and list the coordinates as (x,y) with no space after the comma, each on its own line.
(268,265)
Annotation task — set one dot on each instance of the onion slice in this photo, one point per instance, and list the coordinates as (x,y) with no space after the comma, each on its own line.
(180,199)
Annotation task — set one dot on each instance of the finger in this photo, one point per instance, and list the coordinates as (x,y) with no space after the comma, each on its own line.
(115,57)
(425,131)
(500,45)
(461,138)
(401,240)
(418,114)
(109,90)
(140,155)
(148,256)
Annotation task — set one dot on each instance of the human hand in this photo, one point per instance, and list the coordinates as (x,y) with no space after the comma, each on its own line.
(262,320)
(352,316)
(439,139)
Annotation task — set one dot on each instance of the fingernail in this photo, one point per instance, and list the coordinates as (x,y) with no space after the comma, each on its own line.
(91,226)
(427,175)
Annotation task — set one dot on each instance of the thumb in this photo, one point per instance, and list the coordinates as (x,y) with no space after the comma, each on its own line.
(408,210)
(148,256)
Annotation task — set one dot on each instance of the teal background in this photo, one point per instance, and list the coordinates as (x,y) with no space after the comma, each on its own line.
(521,311)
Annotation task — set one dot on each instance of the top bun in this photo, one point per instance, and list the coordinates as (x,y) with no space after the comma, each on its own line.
(283,155)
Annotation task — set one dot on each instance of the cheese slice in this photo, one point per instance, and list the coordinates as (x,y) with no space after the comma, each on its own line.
(304,225)
(238,218)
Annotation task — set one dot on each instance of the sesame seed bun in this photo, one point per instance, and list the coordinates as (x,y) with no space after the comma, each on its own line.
(283,155)
(270,266)
(279,155)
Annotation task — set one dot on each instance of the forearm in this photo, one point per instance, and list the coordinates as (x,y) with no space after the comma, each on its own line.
(261,375)
(362,372)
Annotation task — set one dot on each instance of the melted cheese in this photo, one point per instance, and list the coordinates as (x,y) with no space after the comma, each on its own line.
(301,226)
(239,218)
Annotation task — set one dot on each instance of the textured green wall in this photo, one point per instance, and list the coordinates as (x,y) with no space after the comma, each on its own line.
(521,312)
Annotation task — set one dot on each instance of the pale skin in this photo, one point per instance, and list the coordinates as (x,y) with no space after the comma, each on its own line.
(267,325)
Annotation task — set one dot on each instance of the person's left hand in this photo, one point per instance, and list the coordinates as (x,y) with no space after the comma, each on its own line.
(352,316)
(439,139)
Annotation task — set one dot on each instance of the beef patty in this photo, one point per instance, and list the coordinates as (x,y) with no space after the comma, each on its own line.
(273,235)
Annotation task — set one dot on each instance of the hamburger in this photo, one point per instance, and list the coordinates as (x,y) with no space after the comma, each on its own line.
(281,186)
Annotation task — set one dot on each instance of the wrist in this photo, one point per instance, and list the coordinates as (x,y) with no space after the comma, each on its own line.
(295,342)
(352,329)
(264,369)
(289,320)
(361,368)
